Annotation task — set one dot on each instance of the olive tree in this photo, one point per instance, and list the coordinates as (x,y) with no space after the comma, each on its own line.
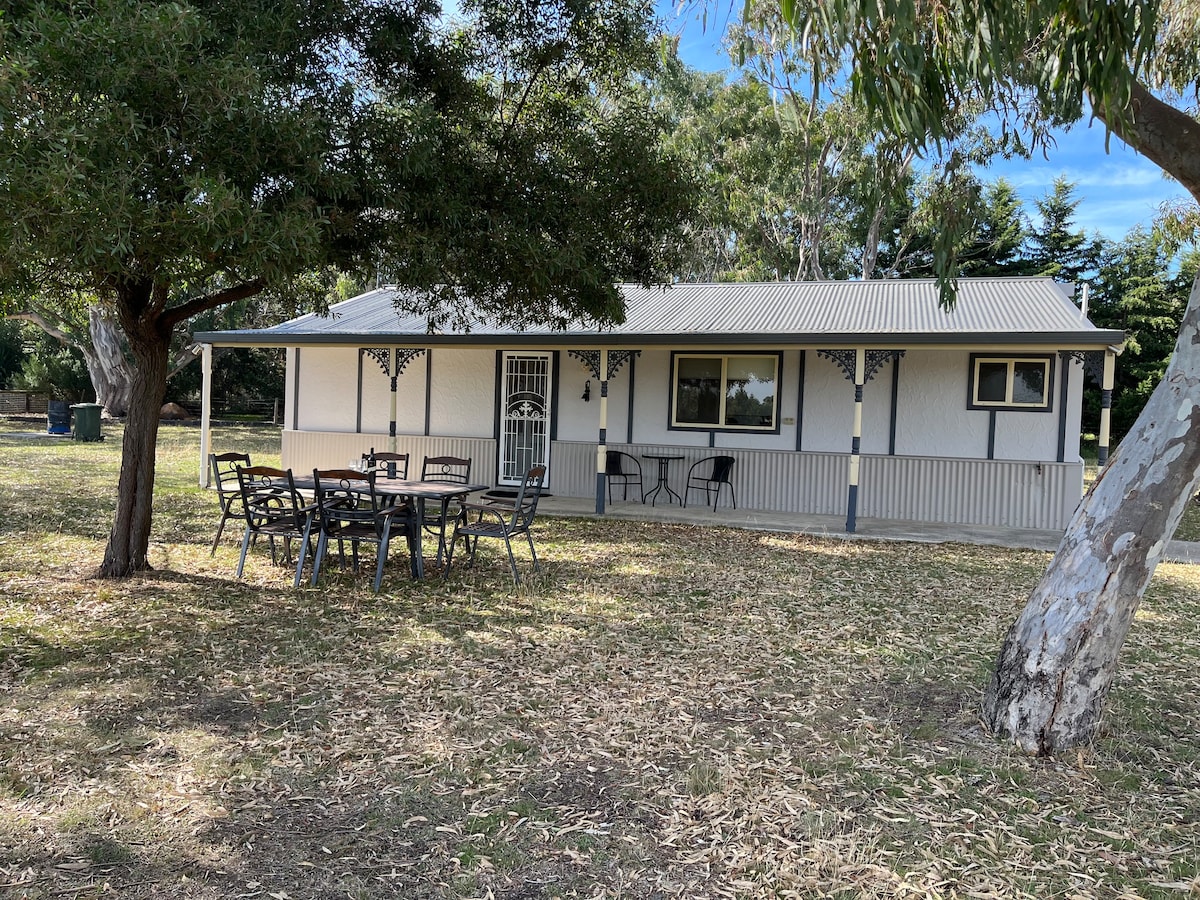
(171,158)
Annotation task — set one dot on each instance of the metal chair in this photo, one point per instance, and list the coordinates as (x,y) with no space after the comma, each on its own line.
(449,470)
(711,482)
(501,520)
(620,466)
(349,509)
(394,464)
(275,509)
(229,494)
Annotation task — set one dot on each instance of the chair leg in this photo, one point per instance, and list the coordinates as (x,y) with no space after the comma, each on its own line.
(532,552)
(382,557)
(512,561)
(413,532)
(322,544)
(450,552)
(220,529)
(245,547)
(304,550)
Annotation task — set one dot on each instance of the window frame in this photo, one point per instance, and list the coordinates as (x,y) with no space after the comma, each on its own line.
(724,357)
(1011,360)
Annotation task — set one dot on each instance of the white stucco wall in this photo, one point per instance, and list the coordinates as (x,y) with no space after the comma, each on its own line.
(829,408)
(410,398)
(324,398)
(463,396)
(579,420)
(932,417)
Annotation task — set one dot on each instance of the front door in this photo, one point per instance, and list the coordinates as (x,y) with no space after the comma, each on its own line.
(525,416)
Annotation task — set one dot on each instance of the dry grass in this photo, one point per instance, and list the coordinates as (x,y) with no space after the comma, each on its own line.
(666,711)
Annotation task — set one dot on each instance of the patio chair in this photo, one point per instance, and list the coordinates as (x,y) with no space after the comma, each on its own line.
(274,508)
(710,475)
(395,465)
(450,470)
(620,466)
(229,495)
(350,509)
(501,520)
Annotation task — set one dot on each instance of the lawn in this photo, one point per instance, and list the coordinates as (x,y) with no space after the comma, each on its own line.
(665,712)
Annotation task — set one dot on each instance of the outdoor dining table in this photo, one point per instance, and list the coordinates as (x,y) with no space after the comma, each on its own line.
(420,493)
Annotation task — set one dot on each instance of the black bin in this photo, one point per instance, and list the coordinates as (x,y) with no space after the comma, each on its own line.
(58,417)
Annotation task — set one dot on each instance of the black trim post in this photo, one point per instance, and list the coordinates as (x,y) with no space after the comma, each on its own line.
(800,403)
(895,405)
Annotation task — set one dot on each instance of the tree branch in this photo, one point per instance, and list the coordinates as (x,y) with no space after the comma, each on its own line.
(37,319)
(176,314)
(1163,134)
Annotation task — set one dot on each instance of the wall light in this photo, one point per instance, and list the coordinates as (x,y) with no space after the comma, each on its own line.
(587,391)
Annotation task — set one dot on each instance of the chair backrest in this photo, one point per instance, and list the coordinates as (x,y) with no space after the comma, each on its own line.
(269,496)
(384,461)
(224,470)
(345,496)
(525,506)
(448,469)
(614,463)
(722,466)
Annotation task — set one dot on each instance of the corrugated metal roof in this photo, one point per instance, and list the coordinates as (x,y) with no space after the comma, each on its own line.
(802,312)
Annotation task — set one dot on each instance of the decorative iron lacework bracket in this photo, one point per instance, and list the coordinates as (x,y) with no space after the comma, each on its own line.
(404,355)
(1093,362)
(875,360)
(616,359)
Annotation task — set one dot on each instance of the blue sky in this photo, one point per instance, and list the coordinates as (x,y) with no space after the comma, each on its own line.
(1117,190)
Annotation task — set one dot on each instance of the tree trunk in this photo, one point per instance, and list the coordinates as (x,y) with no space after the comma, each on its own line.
(1057,663)
(871,244)
(106,362)
(129,540)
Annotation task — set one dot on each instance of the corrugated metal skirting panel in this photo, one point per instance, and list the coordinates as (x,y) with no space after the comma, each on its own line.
(304,451)
(1016,494)
(907,488)
(1013,494)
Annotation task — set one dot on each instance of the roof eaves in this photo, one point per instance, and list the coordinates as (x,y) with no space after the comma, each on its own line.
(1091,337)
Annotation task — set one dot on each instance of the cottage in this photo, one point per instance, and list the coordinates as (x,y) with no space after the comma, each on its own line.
(864,398)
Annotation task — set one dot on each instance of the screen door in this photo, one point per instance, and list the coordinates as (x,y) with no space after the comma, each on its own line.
(525,420)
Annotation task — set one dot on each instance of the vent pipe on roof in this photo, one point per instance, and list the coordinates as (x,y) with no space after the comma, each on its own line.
(1083,301)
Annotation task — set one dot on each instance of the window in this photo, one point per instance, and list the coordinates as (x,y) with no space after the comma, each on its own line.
(1017,382)
(736,392)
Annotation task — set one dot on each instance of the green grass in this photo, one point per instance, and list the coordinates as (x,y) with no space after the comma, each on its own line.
(666,711)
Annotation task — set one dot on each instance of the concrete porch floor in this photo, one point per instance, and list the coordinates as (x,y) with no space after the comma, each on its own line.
(833,527)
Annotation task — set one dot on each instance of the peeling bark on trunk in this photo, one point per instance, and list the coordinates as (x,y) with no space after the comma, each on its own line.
(107,366)
(1057,663)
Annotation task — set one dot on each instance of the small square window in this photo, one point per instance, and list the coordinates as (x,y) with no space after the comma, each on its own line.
(1017,382)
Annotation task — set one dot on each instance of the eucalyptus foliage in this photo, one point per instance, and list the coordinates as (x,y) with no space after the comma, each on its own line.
(1035,67)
